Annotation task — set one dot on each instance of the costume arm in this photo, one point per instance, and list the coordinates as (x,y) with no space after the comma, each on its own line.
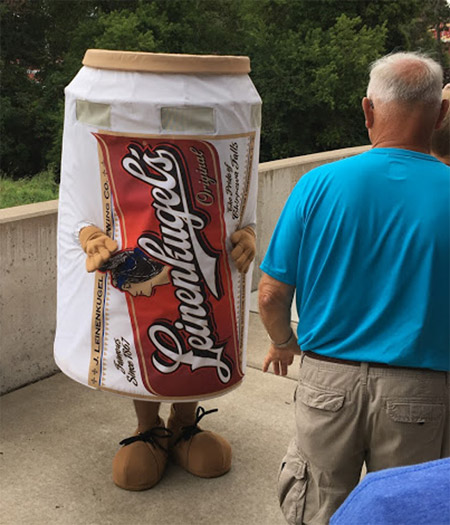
(275,300)
(244,248)
(97,245)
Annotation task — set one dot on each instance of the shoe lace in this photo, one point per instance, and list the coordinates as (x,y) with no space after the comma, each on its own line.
(150,436)
(190,430)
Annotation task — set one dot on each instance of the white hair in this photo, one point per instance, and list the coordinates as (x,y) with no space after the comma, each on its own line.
(406,77)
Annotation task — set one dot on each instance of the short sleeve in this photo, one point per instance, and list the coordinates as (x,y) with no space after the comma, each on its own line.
(281,259)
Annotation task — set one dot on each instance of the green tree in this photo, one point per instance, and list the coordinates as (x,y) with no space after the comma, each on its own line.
(309,58)
(174,26)
(33,41)
(38,57)
(21,41)
(433,16)
(311,78)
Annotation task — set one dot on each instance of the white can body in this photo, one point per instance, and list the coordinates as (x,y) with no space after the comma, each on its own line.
(166,164)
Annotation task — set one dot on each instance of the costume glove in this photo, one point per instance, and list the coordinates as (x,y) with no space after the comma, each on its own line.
(244,249)
(98,247)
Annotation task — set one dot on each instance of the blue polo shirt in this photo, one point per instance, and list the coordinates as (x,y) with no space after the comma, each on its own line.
(366,243)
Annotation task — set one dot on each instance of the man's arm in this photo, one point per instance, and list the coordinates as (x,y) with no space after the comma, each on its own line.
(275,300)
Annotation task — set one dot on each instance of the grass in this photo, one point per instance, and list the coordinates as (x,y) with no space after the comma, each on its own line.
(41,187)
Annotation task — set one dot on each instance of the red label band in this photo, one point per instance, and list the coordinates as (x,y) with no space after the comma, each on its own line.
(173,266)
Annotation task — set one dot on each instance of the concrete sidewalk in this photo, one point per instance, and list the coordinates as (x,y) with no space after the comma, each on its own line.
(58,439)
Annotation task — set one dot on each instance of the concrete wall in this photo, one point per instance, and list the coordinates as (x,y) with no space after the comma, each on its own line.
(28,268)
(27,293)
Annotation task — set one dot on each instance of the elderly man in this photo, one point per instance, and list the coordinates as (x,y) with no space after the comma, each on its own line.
(365,244)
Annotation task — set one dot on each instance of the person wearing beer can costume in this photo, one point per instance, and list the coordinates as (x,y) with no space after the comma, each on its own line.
(155,243)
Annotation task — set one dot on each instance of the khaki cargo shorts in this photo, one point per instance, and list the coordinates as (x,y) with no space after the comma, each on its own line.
(348,415)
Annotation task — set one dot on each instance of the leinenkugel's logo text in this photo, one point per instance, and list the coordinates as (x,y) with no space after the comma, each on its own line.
(181,245)
(167,199)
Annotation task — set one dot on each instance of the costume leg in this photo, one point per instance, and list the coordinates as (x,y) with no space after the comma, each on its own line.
(141,461)
(200,452)
(324,460)
(147,413)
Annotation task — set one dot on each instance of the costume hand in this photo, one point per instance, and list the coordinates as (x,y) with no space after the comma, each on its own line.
(98,247)
(244,250)
(281,358)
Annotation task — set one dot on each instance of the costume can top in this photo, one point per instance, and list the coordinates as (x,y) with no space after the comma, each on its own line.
(166,63)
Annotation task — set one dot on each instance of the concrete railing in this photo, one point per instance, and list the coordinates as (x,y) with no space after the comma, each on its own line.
(28,267)
(27,293)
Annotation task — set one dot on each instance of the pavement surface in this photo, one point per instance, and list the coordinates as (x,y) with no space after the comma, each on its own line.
(58,438)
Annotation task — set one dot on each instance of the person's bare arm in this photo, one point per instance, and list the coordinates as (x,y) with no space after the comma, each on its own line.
(275,300)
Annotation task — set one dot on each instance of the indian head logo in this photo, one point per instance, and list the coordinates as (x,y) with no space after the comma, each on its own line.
(173,266)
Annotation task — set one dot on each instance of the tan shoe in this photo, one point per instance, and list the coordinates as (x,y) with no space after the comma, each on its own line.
(200,452)
(140,463)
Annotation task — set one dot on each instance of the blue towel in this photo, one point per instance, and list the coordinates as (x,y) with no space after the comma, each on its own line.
(413,495)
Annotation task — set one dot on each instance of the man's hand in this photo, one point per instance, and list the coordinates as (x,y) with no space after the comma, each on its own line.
(281,358)
(98,247)
(244,250)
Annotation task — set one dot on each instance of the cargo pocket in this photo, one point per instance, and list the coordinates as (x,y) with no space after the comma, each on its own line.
(414,412)
(320,399)
(292,484)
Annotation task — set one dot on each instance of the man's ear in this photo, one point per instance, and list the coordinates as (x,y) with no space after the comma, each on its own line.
(442,113)
(367,106)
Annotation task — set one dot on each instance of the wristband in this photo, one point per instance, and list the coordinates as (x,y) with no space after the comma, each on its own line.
(285,344)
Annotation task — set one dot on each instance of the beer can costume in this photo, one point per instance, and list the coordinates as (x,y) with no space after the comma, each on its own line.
(160,151)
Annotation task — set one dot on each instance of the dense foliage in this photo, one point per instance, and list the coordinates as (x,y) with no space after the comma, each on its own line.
(309,58)
(41,187)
